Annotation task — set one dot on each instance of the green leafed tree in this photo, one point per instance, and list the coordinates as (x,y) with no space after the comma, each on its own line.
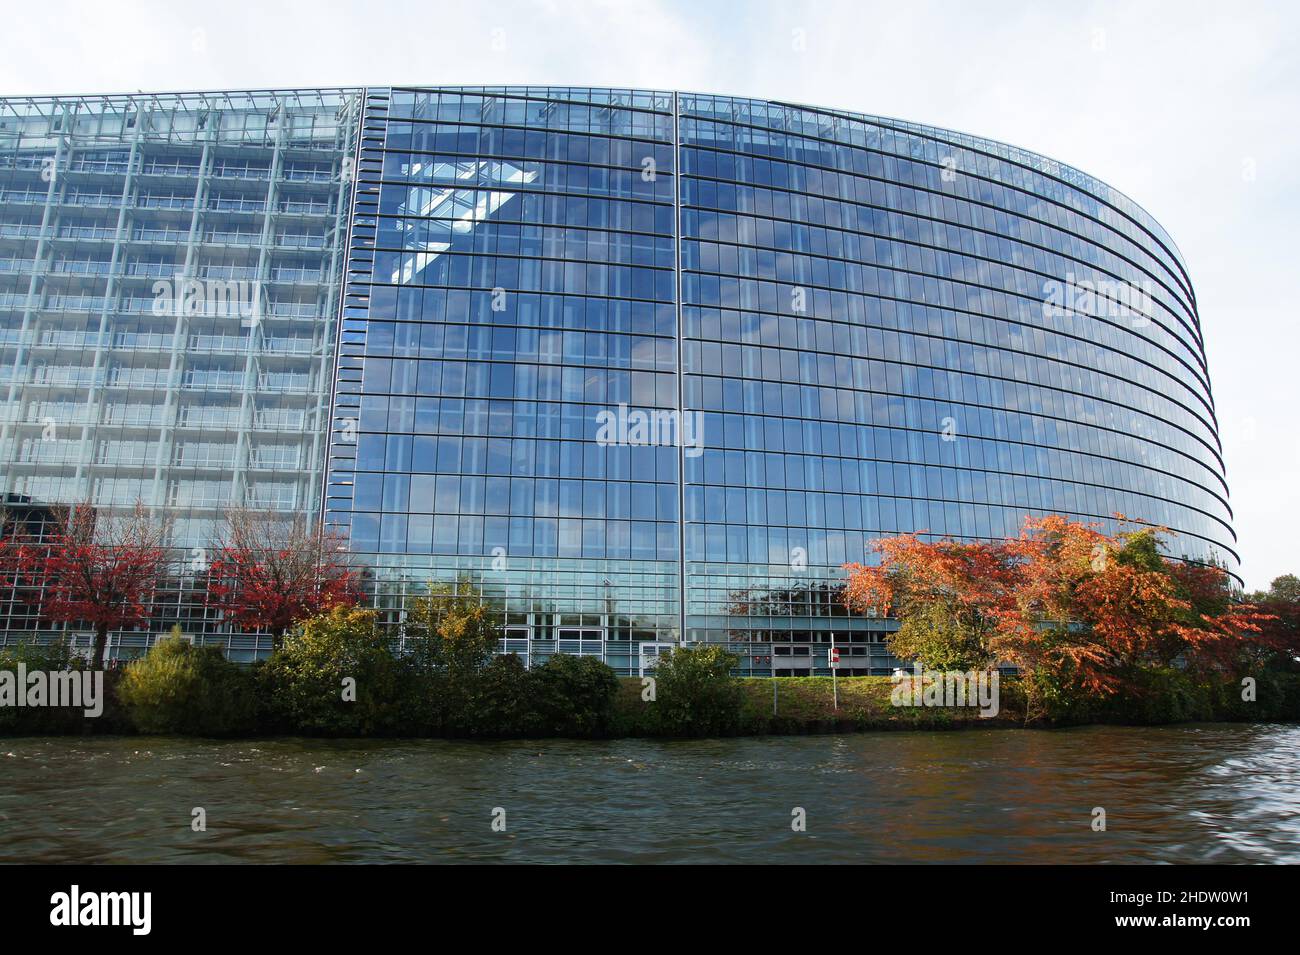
(695,694)
(452,628)
(180,688)
(337,676)
(451,636)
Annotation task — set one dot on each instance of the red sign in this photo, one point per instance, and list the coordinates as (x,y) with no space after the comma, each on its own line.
(834,655)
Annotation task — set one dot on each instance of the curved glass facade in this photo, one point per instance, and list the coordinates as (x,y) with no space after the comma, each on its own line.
(646,365)
(642,365)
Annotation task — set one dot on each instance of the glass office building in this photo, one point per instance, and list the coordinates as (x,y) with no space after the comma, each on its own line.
(644,366)
(170,269)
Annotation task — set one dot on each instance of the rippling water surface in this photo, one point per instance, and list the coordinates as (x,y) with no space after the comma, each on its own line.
(1214,793)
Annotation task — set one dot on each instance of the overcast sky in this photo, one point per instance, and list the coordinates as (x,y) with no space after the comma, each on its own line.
(1190,109)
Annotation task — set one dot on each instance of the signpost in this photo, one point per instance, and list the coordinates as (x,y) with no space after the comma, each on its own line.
(833,660)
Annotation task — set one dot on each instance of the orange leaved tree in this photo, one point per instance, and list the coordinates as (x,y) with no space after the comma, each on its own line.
(949,597)
(1076,610)
(1092,610)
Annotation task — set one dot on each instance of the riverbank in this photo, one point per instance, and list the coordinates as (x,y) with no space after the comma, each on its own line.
(786,706)
(805,705)
(335,692)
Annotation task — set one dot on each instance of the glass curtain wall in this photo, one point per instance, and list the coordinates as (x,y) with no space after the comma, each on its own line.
(511,279)
(170,267)
(886,330)
(597,349)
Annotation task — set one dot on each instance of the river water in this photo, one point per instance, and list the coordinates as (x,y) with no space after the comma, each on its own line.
(1222,793)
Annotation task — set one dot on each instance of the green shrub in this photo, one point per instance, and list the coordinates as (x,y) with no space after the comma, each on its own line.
(1156,696)
(451,639)
(496,700)
(1277,697)
(336,677)
(695,694)
(52,720)
(195,691)
(425,707)
(573,696)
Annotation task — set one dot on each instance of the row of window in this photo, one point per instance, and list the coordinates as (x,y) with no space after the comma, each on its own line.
(869,392)
(874,233)
(801,156)
(921,330)
(765,490)
(948,370)
(929,432)
(765,498)
(1004,175)
(819,548)
(487,285)
(867,204)
(925,334)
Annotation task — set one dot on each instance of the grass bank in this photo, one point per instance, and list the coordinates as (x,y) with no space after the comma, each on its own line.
(798,705)
(807,705)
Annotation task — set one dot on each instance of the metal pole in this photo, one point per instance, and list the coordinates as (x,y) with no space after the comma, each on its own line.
(835,688)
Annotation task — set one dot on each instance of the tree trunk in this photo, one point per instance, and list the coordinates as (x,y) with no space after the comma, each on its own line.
(101,645)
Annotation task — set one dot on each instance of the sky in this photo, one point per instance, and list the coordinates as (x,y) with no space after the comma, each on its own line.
(1190,109)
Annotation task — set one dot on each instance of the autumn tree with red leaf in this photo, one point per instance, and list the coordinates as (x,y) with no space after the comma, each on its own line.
(1076,610)
(949,597)
(1281,606)
(1092,611)
(272,571)
(12,538)
(13,535)
(1221,631)
(98,569)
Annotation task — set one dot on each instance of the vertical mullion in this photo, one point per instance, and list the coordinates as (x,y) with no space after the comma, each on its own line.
(681,373)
